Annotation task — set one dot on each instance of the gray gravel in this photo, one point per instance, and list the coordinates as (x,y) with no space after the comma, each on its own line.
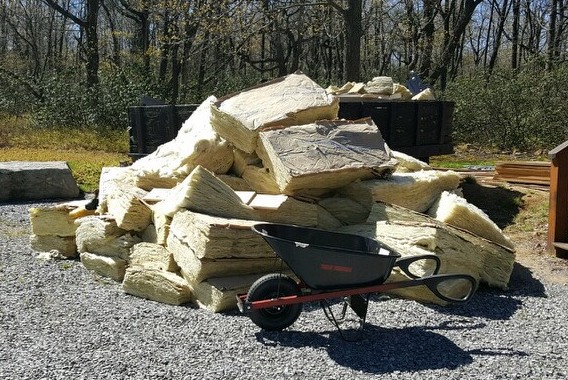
(60,321)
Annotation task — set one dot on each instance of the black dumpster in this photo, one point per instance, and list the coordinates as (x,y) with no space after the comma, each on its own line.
(418,128)
(153,125)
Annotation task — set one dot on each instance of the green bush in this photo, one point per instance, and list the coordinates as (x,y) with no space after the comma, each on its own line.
(15,99)
(524,110)
(69,103)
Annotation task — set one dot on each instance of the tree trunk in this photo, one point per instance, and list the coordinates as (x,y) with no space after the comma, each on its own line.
(202,65)
(503,13)
(551,49)
(164,49)
(176,71)
(115,43)
(141,38)
(515,34)
(352,16)
(428,38)
(453,39)
(92,50)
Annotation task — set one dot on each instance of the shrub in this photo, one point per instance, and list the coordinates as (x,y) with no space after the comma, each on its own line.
(68,103)
(523,110)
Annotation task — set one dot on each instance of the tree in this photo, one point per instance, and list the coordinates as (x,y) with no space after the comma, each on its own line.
(503,13)
(141,40)
(352,17)
(88,25)
(556,28)
(453,37)
(515,34)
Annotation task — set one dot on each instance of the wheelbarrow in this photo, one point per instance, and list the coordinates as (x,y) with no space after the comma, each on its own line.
(330,265)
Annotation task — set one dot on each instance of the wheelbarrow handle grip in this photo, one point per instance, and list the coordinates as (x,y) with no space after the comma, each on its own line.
(433,283)
(404,264)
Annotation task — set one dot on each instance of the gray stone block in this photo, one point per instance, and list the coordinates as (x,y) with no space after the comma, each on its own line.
(25,180)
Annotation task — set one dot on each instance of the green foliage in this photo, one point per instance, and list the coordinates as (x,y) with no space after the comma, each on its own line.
(87,172)
(15,99)
(65,265)
(67,102)
(524,110)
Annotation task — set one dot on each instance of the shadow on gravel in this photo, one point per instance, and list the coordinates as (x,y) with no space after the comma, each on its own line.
(523,283)
(498,304)
(385,350)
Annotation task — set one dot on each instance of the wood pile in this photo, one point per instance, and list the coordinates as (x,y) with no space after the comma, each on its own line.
(176,225)
(529,172)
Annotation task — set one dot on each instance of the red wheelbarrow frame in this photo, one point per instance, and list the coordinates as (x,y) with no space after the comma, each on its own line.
(313,295)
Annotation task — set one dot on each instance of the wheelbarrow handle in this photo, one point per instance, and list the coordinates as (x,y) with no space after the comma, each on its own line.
(469,285)
(404,264)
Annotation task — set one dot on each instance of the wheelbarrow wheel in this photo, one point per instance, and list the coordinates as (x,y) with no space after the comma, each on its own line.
(273,286)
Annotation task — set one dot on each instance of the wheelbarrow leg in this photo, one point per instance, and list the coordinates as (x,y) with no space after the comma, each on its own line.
(359,304)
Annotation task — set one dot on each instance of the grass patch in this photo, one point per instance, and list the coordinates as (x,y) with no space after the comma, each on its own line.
(471,157)
(534,217)
(451,162)
(65,265)
(86,151)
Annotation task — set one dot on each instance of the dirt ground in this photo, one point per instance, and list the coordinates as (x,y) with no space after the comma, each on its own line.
(522,213)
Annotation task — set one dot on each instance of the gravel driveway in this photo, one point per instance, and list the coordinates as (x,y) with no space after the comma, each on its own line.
(59,321)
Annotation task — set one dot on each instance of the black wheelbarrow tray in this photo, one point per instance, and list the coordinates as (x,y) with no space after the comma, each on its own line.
(331,265)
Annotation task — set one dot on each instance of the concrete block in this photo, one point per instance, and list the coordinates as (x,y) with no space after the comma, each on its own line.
(25,180)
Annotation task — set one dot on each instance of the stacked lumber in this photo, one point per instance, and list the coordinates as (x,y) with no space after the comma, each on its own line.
(175,227)
(530,172)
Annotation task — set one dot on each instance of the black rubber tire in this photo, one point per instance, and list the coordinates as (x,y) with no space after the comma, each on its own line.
(272,286)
